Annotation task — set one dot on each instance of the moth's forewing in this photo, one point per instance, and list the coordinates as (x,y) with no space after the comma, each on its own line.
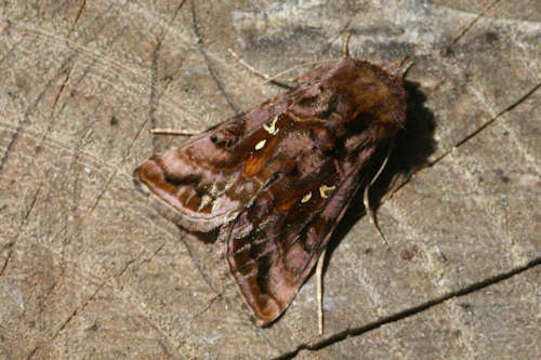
(199,185)
(279,179)
(270,256)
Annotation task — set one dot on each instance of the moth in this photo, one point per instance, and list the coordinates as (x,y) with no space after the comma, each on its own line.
(275,181)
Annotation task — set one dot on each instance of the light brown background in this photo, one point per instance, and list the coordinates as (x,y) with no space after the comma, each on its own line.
(89,270)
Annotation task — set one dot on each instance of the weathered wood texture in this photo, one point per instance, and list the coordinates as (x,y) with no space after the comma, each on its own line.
(89,270)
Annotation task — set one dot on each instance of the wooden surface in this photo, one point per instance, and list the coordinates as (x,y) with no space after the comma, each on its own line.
(88,269)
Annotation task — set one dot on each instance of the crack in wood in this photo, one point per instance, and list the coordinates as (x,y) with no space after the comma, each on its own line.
(471,135)
(78,16)
(198,266)
(155,94)
(90,298)
(474,21)
(210,68)
(341,336)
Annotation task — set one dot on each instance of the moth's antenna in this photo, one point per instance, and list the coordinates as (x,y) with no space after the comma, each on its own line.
(345,50)
(266,77)
(405,65)
(310,63)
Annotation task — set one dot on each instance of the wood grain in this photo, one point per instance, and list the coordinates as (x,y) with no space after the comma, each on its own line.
(88,269)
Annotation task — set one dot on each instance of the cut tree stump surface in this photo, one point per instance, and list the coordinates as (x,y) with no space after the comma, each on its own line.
(88,269)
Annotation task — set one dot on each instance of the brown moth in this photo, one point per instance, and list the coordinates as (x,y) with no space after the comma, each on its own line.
(275,181)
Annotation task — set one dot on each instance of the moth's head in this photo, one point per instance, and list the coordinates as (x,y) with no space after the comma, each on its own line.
(376,93)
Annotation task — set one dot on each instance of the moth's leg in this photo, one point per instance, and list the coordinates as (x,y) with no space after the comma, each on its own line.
(366,195)
(319,274)
(177,132)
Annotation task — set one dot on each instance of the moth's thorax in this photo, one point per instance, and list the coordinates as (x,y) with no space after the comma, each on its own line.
(351,96)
